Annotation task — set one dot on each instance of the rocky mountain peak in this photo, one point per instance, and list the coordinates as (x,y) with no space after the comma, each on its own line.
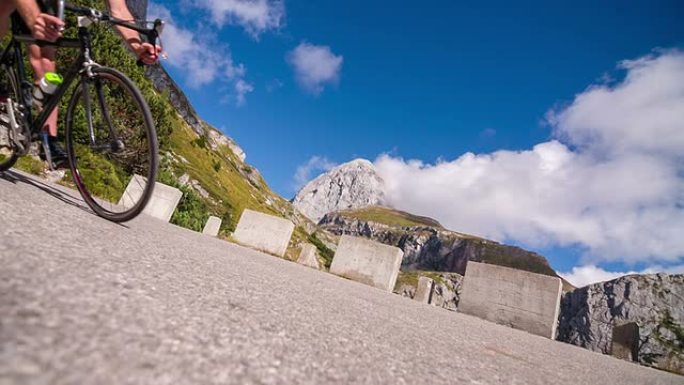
(352,185)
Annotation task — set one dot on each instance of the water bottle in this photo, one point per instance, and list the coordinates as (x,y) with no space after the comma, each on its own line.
(46,87)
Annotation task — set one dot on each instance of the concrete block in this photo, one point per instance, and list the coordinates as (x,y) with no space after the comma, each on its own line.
(424,290)
(212,226)
(368,262)
(308,257)
(625,344)
(163,202)
(264,232)
(515,298)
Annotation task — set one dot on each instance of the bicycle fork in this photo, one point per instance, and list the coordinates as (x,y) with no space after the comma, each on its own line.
(115,144)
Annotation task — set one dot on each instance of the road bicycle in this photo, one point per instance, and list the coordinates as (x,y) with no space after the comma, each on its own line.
(110,136)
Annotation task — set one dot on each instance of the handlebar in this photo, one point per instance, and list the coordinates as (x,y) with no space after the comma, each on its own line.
(152,34)
(60,9)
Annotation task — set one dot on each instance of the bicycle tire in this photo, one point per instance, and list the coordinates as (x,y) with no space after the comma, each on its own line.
(8,154)
(113,120)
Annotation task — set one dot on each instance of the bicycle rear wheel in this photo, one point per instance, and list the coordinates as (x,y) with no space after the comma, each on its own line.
(9,88)
(112,145)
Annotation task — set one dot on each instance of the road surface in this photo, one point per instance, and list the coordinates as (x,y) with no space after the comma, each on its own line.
(86,301)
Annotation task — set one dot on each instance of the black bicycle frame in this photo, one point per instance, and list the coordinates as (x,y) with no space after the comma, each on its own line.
(27,87)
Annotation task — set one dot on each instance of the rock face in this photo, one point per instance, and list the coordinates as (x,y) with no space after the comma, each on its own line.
(446,292)
(655,302)
(433,249)
(216,140)
(163,83)
(349,186)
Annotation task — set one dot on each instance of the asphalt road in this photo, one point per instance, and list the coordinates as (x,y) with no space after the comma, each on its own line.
(86,301)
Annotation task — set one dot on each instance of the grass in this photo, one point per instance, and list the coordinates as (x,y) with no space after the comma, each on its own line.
(326,253)
(410,278)
(30,165)
(513,257)
(390,217)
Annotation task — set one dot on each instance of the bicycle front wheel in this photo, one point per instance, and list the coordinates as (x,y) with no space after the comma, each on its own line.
(112,145)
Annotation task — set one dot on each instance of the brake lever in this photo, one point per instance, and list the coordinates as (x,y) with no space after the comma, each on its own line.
(153,36)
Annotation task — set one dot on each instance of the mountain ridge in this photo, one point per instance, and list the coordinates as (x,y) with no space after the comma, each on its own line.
(429,248)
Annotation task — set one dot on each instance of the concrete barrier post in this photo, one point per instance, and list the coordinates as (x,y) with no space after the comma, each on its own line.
(424,290)
(212,226)
(368,262)
(515,298)
(308,257)
(163,202)
(264,232)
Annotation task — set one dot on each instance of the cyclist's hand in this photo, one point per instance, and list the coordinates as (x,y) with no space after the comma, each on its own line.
(47,27)
(146,52)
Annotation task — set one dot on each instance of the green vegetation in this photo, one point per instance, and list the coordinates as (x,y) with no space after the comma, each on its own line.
(410,278)
(669,323)
(200,142)
(30,165)
(192,212)
(514,257)
(102,178)
(326,253)
(217,166)
(390,217)
(671,359)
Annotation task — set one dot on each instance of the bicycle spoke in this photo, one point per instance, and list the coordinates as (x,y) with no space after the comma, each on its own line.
(112,145)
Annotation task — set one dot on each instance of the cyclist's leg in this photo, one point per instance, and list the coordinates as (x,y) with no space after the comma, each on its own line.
(43,61)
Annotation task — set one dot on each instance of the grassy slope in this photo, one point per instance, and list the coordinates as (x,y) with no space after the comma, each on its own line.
(222,175)
(390,217)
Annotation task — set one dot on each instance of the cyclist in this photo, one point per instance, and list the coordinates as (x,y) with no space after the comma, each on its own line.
(35,17)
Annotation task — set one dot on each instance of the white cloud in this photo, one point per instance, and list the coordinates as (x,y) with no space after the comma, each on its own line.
(256,16)
(586,275)
(305,172)
(200,61)
(612,181)
(643,114)
(242,88)
(315,66)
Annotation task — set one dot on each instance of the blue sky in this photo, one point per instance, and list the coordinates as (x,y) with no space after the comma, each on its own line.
(416,80)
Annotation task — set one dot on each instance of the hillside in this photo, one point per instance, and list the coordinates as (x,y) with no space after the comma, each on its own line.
(390,217)
(207,166)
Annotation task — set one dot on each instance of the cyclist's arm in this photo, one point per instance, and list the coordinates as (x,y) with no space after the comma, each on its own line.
(42,25)
(145,51)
